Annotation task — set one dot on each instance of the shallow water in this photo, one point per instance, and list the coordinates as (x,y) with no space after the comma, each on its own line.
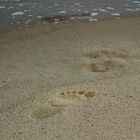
(18,12)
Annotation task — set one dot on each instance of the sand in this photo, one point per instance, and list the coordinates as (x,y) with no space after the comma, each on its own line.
(71,81)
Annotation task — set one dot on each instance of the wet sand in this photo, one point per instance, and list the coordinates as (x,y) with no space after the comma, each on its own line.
(74,81)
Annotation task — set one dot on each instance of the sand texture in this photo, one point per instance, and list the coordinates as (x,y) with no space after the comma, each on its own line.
(71,81)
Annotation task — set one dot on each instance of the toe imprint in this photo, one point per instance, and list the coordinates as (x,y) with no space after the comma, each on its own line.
(105,53)
(78,94)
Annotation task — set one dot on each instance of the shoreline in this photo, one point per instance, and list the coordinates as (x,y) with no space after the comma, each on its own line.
(79,17)
(38,28)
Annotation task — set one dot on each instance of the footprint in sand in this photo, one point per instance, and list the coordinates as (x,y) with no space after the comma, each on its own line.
(45,111)
(105,60)
(58,103)
(105,66)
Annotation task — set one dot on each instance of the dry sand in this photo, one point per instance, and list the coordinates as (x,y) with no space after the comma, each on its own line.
(71,81)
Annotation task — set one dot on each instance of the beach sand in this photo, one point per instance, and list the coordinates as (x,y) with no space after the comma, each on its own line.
(71,81)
